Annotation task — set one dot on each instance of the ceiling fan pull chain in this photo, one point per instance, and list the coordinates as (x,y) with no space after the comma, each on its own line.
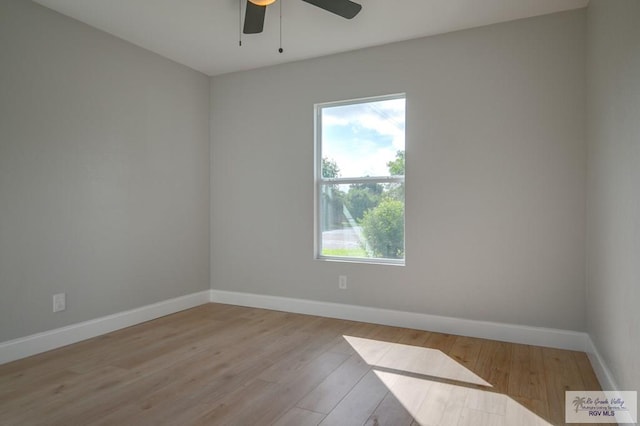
(280,49)
(239,22)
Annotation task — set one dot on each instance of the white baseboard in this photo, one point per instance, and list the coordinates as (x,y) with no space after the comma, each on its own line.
(561,339)
(36,343)
(607,382)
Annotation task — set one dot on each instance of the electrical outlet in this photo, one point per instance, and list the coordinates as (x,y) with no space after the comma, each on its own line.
(59,302)
(342,282)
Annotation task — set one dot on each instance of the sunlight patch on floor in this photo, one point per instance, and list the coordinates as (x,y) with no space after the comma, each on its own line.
(413,359)
(419,378)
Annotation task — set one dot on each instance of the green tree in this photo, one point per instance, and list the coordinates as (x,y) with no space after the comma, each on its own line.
(332,197)
(396,167)
(362,197)
(330,168)
(383,227)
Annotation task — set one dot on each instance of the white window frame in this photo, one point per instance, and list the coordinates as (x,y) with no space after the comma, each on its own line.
(320,181)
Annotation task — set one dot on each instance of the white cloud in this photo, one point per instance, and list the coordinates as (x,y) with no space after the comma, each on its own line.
(362,157)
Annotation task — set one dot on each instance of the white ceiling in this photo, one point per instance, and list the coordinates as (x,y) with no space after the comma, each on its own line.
(203,34)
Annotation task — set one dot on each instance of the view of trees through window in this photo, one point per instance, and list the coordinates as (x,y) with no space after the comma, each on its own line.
(361,179)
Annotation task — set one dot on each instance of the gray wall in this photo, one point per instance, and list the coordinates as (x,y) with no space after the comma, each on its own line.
(613,279)
(104,173)
(496,174)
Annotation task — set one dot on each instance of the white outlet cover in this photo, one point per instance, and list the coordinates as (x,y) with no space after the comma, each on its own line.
(342,282)
(59,302)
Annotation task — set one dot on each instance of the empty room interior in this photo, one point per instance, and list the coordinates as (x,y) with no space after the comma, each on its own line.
(318,212)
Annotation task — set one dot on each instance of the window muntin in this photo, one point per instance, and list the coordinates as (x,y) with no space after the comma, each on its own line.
(360,157)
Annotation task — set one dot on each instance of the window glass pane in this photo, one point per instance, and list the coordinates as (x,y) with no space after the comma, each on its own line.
(364,220)
(362,138)
(361,148)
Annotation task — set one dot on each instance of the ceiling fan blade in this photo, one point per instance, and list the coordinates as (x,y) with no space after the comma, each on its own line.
(345,8)
(254,18)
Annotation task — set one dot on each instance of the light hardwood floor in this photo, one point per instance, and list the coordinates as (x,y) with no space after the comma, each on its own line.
(228,365)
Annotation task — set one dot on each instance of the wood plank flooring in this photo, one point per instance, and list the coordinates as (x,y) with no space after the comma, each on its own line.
(228,365)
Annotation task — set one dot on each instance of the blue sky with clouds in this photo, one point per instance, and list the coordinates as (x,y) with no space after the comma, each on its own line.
(362,138)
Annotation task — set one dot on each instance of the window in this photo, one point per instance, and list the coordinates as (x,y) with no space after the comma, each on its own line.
(360,163)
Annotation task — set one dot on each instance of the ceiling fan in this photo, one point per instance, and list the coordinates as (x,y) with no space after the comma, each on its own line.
(254,16)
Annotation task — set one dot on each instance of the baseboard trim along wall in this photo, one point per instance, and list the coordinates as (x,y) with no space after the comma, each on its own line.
(605,377)
(538,336)
(561,339)
(41,342)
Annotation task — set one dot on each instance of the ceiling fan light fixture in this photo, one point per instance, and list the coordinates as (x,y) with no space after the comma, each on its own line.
(256,10)
(262,2)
